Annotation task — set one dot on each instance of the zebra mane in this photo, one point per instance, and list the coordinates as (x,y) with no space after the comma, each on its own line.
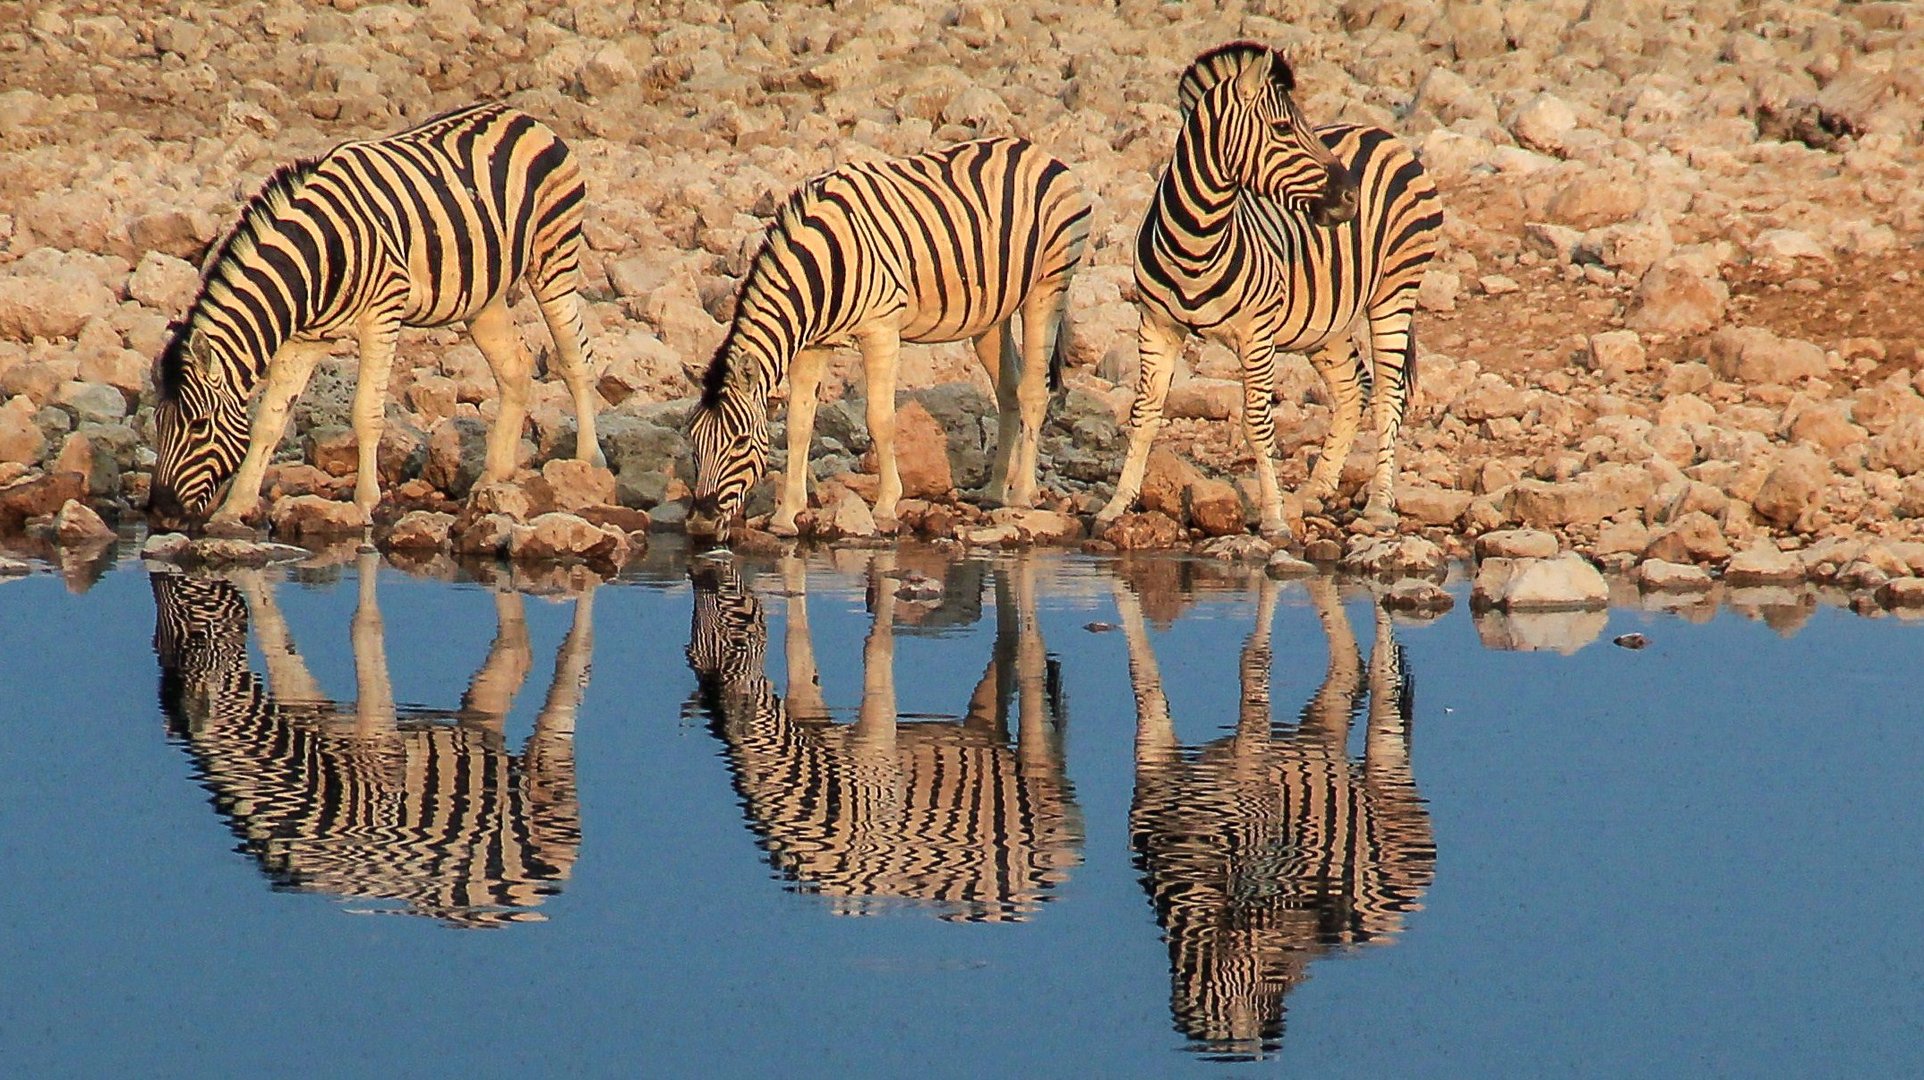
(1225,62)
(787,217)
(248,227)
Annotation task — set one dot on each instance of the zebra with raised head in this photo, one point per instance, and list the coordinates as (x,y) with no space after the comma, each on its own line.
(952,814)
(1273,846)
(1272,236)
(423,228)
(427,812)
(943,246)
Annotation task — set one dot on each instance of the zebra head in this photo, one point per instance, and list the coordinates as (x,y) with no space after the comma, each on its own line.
(729,434)
(1240,95)
(200,427)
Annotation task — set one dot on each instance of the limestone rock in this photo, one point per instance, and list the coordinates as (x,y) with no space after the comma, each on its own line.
(1214,507)
(559,537)
(1752,354)
(1677,297)
(1562,583)
(77,523)
(1791,487)
(314,516)
(1165,479)
(1763,563)
(1243,548)
(421,530)
(1659,575)
(1147,530)
(1038,525)
(38,496)
(1205,399)
(1417,594)
(1394,556)
(1516,544)
(1692,538)
(569,485)
(1432,506)
(485,535)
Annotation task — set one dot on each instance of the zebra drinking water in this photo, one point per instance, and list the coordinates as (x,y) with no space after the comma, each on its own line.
(423,228)
(938,247)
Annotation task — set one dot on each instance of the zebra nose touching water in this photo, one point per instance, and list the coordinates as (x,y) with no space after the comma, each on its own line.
(427,227)
(417,812)
(950,245)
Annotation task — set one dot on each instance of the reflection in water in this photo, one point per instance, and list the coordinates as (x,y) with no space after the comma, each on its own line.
(947,812)
(427,809)
(1271,846)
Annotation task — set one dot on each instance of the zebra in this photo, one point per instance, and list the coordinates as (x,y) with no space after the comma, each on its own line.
(942,246)
(426,227)
(426,812)
(948,814)
(1271,236)
(1271,846)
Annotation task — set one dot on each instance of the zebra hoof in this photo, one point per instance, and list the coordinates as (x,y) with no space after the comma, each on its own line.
(1277,536)
(1376,519)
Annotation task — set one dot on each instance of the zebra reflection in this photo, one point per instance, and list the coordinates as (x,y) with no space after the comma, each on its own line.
(1272,846)
(428,812)
(952,813)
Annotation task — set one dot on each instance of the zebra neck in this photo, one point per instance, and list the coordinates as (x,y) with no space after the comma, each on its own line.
(767,334)
(250,326)
(1197,198)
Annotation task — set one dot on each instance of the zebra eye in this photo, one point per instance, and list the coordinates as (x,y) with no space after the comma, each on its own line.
(200,427)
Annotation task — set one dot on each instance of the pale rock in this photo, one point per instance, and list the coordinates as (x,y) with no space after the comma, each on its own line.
(560,537)
(164,283)
(1439,289)
(1791,487)
(314,516)
(848,517)
(1432,506)
(1165,478)
(1752,354)
(1544,123)
(1615,353)
(1693,538)
(213,551)
(21,440)
(1282,564)
(1148,530)
(421,530)
(1658,575)
(484,535)
(1242,549)
(568,485)
(1417,595)
(1904,592)
(1589,201)
(1393,556)
(1678,297)
(1205,399)
(1565,582)
(78,524)
(48,295)
(1900,448)
(1763,563)
(1038,525)
(1516,544)
(1787,246)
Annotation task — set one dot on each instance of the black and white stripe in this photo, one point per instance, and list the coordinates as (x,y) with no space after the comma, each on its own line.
(1272,846)
(944,246)
(423,228)
(1272,236)
(427,812)
(953,814)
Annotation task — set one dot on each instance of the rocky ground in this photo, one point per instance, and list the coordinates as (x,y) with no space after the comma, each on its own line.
(1672,324)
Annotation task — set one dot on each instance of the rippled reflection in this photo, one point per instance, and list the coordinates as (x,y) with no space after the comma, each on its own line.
(428,811)
(950,812)
(1272,846)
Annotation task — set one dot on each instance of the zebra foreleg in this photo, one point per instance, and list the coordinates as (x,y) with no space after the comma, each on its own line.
(1393,359)
(493,331)
(804,394)
(1336,362)
(287,375)
(379,332)
(881,348)
(1159,341)
(1259,427)
(562,312)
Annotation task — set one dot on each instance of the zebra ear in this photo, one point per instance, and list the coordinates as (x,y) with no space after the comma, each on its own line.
(1253,79)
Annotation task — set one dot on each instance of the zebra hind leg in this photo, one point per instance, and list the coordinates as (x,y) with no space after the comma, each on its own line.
(1337,363)
(1393,358)
(881,349)
(379,332)
(1041,336)
(995,347)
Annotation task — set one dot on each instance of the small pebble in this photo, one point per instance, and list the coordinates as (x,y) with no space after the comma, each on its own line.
(1630,641)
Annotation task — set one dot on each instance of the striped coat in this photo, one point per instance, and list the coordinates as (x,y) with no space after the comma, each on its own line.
(944,246)
(427,227)
(1272,236)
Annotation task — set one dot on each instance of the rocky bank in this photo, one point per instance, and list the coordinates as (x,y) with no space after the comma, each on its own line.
(1671,327)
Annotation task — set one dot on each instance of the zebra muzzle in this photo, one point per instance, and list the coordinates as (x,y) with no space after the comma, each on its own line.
(1339,199)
